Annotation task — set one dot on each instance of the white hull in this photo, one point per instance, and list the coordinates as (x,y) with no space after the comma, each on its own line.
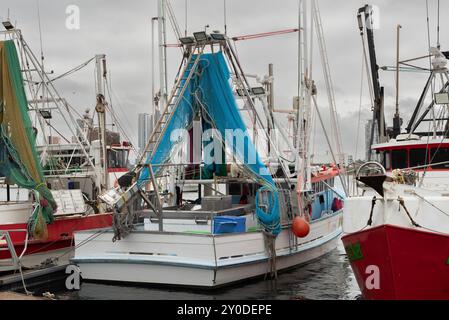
(181,259)
(15,212)
(426,207)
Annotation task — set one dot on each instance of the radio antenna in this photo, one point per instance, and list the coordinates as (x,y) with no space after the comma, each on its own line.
(438,26)
(225,18)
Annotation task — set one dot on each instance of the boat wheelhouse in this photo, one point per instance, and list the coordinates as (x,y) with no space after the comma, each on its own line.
(418,154)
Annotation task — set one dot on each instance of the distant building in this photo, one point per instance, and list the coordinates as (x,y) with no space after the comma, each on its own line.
(350,160)
(145,127)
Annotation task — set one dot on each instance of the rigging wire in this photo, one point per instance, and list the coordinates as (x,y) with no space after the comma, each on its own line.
(114,116)
(73,70)
(360,108)
(429,41)
(434,154)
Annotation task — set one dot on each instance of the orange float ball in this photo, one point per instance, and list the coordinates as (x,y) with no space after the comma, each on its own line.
(300,227)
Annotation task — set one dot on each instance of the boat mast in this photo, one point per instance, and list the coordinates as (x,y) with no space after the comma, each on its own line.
(303,112)
(162,36)
(397,119)
(100,61)
(154,99)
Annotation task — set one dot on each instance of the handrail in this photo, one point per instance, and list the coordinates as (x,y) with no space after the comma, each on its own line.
(370,163)
(11,245)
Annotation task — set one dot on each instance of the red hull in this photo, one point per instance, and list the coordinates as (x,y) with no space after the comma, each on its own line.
(410,264)
(60,233)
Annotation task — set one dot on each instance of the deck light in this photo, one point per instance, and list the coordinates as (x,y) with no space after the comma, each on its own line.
(442,98)
(45,114)
(187,41)
(217,36)
(200,36)
(8,25)
(258,91)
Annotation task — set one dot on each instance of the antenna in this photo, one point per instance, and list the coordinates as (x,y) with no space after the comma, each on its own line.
(42,54)
(185,19)
(225,18)
(397,119)
(438,26)
(40,28)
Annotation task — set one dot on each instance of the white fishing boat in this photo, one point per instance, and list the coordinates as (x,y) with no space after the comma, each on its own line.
(250,219)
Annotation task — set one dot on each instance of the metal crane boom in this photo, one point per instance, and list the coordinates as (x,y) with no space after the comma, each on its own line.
(365,14)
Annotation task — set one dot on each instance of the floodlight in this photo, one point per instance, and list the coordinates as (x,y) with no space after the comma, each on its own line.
(187,40)
(200,36)
(442,98)
(258,90)
(46,114)
(8,25)
(218,36)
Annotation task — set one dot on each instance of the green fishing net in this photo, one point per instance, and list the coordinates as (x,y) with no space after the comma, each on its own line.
(19,160)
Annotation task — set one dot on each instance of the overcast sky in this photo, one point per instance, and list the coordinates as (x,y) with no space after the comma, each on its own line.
(121,30)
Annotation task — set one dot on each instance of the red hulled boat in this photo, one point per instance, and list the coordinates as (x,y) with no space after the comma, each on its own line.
(396,225)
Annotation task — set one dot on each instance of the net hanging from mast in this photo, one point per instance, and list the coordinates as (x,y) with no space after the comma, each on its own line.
(19,161)
(211,85)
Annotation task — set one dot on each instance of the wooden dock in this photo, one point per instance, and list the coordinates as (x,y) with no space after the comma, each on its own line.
(18,296)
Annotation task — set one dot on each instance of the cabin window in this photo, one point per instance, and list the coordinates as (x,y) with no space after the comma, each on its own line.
(418,157)
(399,159)
(440,155)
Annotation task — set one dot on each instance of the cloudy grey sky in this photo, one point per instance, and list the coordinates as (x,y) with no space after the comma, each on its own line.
(121,30)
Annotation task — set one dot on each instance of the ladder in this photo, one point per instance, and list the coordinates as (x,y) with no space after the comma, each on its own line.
(180,87)
(173,102)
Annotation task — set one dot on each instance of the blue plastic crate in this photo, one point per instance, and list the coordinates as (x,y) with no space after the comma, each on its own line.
(229,224)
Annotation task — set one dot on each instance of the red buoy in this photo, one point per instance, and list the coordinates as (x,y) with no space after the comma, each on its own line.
(300,227)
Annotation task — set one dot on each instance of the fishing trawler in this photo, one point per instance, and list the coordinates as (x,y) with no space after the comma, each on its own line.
(250,218)
(64,178)
(396,228)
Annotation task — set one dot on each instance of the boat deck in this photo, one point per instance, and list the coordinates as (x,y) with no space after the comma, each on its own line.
(35,266)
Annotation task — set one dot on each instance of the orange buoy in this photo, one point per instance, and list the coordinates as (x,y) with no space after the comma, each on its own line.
(300,227)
